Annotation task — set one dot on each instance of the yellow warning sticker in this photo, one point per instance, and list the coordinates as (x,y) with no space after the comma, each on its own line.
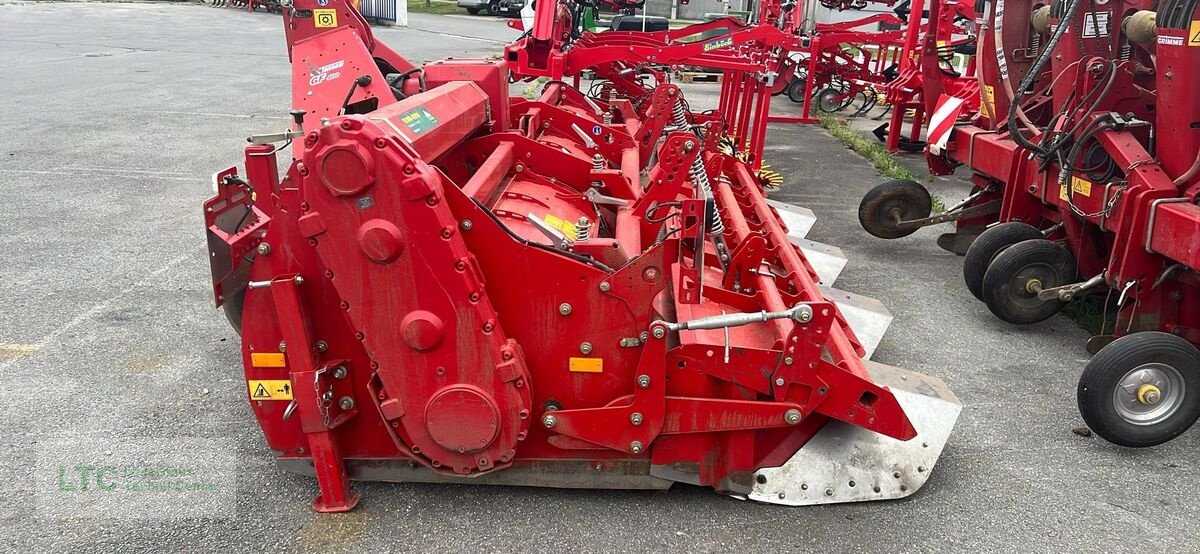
(270,389)
(267,359)
(587,365)
(1078,186)
(563,225)
(1194,34)
(324,18)
(989,94)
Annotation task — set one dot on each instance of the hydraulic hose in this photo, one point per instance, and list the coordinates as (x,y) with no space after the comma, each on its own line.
(1031,76)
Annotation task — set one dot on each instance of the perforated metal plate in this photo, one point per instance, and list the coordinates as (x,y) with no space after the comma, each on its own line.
(844,463)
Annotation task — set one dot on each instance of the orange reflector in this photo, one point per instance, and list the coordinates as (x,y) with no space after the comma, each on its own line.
(587,365)
(267,359)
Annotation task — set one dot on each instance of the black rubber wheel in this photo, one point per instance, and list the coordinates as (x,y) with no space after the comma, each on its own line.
(1008,283)
(494,7)
(233,310)
(1142,389)
(989,244)
(880,207)
(827,100)
(795,89)
(473,11)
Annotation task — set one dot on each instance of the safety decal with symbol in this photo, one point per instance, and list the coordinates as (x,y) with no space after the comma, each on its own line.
(1194,34)
(325,18)
(596,130)
(270,389)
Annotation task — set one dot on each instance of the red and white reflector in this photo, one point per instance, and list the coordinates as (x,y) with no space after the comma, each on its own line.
(942,121)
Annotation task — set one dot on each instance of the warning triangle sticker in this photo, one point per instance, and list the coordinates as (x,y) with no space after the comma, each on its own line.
(261,392)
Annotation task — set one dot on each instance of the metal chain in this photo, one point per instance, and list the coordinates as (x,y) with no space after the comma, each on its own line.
(324,400)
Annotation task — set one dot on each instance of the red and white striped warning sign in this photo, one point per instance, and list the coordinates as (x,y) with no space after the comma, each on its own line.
(942,121)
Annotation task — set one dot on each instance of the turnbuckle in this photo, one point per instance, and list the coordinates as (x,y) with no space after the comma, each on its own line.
(801,313)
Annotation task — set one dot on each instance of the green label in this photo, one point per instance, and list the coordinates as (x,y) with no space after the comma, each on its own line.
(418,120)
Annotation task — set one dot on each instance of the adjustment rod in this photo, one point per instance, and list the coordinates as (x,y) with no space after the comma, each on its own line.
(801,313)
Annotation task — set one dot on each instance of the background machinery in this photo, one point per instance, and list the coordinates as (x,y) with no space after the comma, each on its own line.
(1086,161)
(583,289)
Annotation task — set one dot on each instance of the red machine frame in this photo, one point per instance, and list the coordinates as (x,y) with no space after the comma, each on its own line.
(450,283)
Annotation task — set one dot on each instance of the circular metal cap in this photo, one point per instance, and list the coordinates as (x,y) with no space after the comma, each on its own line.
(462,418)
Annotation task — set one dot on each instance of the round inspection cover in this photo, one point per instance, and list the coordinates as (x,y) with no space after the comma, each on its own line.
(462,418)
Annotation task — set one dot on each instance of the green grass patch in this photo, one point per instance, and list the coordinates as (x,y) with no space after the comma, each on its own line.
(874,152)
(438,7)
(1089,314)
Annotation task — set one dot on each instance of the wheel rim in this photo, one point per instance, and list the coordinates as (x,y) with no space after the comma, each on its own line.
(1024,286)
(1149,394)
(826,101)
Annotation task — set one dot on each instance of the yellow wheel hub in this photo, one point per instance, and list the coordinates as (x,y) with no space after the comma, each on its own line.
(1149,394)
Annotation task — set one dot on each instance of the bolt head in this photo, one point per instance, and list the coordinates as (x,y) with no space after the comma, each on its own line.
(339,372)
(549,421)
(346,403)
(635,418)
(779,382)
(788,360)
(585,348)
(564,309)
(264,249)
(792,417)
(659,332)
(644,381)
(466,225)
(635,447)
(605,286)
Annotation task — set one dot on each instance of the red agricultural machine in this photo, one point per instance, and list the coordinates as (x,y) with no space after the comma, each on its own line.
(846,67)
(452,284)
(1086,161)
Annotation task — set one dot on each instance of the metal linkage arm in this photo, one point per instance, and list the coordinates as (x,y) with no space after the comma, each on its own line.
(801,313)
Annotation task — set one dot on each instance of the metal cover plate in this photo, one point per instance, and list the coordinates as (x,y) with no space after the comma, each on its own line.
(844,463)
(827,260)
(868,317)
(799,220)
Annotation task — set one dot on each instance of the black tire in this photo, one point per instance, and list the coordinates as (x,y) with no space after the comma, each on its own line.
(990,244)
(494,7)
(233,310)
(1098,394)
(795,89)
(899,197)
(473,11)
(827,100)
(1006,283)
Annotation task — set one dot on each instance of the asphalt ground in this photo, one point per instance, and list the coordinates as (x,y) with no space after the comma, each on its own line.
(116,117)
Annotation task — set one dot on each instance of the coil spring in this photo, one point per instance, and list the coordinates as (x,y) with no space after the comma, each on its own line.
(582,229)
(678,114)
(1037,44)
(1126,51)
(599,163)
(700,179)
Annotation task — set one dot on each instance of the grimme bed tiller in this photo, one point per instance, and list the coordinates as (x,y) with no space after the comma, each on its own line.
(451,284)
(1087,173)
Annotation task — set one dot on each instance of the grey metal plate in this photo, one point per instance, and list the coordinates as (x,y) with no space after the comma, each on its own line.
(827,260)
(868,317)
(844,463)
(799,221)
